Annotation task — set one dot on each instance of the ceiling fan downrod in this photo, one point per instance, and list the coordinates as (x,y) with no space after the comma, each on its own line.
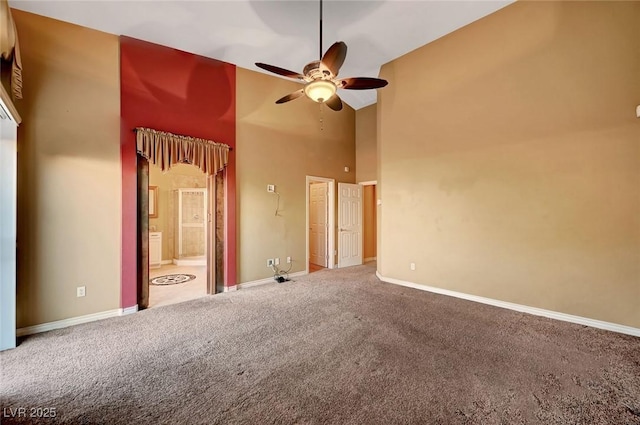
(320,56)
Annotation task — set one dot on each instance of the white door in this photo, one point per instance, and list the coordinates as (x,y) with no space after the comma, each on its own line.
(349,224)
(318,223)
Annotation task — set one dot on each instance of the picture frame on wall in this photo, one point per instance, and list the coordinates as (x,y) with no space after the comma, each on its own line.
(153,201)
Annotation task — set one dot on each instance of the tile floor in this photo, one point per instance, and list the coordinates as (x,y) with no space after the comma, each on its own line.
(160,295)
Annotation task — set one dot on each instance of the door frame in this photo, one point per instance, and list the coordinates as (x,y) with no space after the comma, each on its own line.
(371,183)
(8,219)
(210,234)
(212,271)
(331,220)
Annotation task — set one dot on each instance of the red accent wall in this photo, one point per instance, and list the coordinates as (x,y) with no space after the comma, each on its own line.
(183,93)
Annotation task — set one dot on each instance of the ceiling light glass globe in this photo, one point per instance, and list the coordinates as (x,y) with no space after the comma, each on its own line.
(320,91)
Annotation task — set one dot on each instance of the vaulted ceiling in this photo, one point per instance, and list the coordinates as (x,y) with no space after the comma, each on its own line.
(281,33)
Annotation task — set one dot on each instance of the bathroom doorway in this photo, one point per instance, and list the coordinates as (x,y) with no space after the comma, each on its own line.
(177,229)
(179,234)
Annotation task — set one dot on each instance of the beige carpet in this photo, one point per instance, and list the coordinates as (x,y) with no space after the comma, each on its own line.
(335,347)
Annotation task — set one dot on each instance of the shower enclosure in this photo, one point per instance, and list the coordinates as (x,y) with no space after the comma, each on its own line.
(191,227)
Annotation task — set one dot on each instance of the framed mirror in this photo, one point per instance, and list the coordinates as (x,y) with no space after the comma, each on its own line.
(153,201)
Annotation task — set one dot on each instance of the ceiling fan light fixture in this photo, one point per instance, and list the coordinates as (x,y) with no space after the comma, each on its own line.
(320,77)
(320,90)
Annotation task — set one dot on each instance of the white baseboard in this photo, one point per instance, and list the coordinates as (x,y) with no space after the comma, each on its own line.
(628,330)
(183,262)
(59,324)
(129,310)
(366,260)
(230,288)
(165,262)
(252,283)
(64,323)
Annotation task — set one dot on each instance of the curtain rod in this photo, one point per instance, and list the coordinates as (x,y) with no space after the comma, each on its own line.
(182,135)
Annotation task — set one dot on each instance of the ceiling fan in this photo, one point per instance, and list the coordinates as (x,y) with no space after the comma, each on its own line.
(320,78)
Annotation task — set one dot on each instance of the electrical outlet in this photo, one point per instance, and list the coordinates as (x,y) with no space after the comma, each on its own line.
(412,266)
(81,291)
(271,188)
(288,260)
(277,261)
(270,262)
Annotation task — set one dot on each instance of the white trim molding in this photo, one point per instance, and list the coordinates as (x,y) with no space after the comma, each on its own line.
(614,327)
(369,183)
(259,282)
(65,323)
(8,108)
(129,310)
(230,288)
(188,262)
(366,260)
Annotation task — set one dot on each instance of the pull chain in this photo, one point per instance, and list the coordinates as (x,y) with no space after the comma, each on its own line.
(321,118)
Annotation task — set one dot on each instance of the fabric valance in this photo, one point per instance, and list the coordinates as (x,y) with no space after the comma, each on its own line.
(167,149)
(10,48)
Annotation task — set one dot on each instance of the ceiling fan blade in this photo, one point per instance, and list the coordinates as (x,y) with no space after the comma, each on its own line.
(291,96)
(362,83)
(334,57)
(334,103)
(279,71)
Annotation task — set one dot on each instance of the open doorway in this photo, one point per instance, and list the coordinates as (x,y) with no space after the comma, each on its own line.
(369,222)
(320,223)
(180,224)
(177,234)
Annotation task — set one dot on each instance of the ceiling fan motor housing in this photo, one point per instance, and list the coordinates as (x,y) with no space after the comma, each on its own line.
(313,71)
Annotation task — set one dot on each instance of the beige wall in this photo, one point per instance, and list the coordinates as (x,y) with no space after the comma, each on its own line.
(179,176)
(510,160)
(366,144)
(281,145)
(369,221)
(69,171)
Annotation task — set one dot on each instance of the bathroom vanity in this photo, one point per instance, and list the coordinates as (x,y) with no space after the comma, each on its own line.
(155,250)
